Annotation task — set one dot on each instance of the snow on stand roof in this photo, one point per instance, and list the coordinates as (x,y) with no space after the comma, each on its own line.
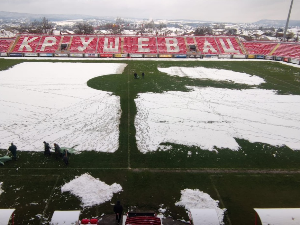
(279,216)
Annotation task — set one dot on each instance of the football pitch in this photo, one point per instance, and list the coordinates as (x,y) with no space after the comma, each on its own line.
(256,175)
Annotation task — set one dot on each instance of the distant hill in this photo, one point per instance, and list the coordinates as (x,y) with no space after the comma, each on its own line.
(277,23)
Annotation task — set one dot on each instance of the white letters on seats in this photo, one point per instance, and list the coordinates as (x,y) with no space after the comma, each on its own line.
(110,48)
(25,44)
(230,49)
(208,46)
(172,45)
(84,43)
(141,45)
(48,42)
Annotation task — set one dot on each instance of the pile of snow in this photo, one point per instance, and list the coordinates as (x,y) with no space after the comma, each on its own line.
(209,117)
(213,74)
(1,191)
(91,191)
(44,101)
(196,199)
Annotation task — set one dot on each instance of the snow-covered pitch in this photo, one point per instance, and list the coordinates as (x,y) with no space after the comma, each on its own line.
(44,101)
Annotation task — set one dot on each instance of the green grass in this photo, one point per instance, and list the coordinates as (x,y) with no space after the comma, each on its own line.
(35,178)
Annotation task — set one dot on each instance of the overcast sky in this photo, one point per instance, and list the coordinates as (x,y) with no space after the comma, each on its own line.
(207,10)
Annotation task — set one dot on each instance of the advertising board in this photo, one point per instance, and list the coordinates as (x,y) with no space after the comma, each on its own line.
(224,56)
(211,56)
(120,55)
(285,59)
(78,55)
(3,54)
(251,57)
(269,57)
(106,55)
(31,54)
(46,55)
(150,55)
(180,56)
(91,55)
(260,56)
(136,55)
(194,56)
(15,54)
(278,58)
(165,56)
(239,56)
(61,55)
(295,61)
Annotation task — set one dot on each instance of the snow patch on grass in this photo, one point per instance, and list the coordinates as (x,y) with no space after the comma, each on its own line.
(91,191)
(213,74)
(214,117)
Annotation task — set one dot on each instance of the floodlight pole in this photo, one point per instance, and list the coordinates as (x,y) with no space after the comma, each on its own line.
(287,21)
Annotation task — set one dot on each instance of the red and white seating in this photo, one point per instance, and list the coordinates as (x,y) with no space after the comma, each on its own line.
(84,44)
(171,45)
(259,48)
(207,45)
(27,43)
(5,45)
(48,44)
(228,45)
(109,44)
(140,45)
(288,50)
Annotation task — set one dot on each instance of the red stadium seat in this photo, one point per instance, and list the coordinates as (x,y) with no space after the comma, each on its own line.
(85,221)
(94,221)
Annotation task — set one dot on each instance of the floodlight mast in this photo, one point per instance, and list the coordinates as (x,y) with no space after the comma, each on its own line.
(287,21)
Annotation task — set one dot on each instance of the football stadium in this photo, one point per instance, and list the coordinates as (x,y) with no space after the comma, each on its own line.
(179,129)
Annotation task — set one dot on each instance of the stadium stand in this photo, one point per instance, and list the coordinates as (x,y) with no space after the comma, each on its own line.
(261,48)
(27,43)
(49,44)
(140,45)
(84,44)
(187,45)
(228,45)
(207,45)
(5,45)
(171,45)
(288,50)
(109,44)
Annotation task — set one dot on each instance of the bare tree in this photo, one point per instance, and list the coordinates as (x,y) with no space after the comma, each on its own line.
(203,31)
(42,26)
(83,28)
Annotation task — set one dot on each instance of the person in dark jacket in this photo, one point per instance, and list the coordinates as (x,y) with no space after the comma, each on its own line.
(47,148)
(57,150)
(143,75)
(13,149)
(118,209)
(65,157)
